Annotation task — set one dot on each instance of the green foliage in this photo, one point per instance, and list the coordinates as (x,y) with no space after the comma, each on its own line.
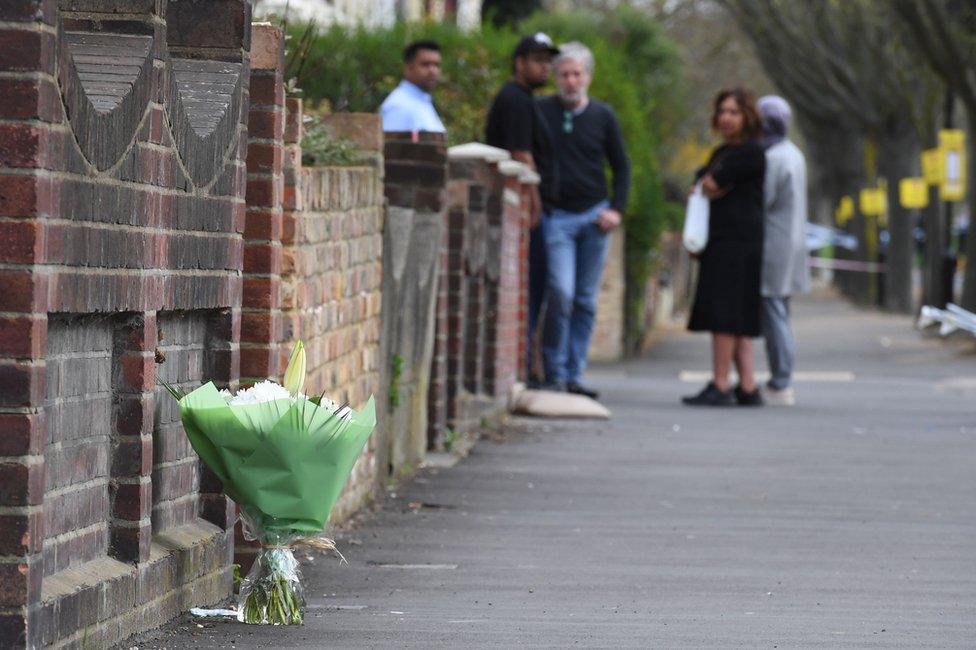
(674,215)
(637,73)
(353,70)
(396,373)
(509,12)
(451,438)
(320,149)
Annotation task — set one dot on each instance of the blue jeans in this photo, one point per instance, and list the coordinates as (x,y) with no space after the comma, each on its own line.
(780,346)
(576,250)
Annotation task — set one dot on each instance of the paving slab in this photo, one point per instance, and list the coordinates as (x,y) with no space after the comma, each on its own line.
(848,521)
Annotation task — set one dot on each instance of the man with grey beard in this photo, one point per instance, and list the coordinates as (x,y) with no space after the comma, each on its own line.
(578,216)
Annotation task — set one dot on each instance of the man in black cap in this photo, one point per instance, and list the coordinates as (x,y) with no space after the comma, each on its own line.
(514,123)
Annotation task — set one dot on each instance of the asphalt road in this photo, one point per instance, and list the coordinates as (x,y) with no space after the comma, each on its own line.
(848,521)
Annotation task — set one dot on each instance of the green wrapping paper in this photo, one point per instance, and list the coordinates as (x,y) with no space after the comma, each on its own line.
(288,461)
(285,463)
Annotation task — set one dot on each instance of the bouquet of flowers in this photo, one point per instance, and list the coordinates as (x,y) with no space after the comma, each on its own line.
(284,458)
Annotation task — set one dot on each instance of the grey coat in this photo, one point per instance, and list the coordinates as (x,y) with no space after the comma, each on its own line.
(785,269)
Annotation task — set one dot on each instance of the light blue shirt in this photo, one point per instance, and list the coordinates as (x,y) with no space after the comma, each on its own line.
(409,108)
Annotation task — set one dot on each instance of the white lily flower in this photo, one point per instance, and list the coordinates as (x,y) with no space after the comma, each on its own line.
(263,391)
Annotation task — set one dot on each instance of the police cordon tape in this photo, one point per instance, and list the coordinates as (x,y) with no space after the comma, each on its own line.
(847,265)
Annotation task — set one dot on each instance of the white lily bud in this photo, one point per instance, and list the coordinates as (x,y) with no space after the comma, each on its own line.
(295,373)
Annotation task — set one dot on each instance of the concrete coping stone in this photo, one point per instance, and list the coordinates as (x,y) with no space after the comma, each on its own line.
(267,47)
(477,151)
(512,168)
(529,177)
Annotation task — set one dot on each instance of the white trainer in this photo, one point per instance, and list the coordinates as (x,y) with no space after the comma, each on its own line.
(778,397)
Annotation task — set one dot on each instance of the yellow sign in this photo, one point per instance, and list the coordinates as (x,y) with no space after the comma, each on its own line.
(932,166)
(913,193)
(952,139)
(952,142)
(845,211)
(873,202)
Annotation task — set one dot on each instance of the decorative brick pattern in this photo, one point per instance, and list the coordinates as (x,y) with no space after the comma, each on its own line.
(121,221)
(160,226)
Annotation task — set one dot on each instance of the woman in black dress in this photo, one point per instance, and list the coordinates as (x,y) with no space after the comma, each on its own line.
(727,301)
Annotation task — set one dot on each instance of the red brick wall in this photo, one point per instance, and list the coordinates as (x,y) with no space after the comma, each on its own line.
(121,208)
(313,258)
(261,312)
(331,279)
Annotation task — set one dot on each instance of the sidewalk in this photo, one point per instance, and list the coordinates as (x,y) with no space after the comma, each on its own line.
(848,521)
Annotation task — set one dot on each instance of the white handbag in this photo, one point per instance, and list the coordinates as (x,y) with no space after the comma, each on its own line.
(695,235)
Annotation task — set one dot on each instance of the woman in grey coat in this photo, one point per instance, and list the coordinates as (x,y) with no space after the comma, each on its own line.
(785,270)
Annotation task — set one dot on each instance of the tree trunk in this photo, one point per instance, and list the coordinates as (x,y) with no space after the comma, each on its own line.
(935,246)
(836,170)
(969,281)
(900,150)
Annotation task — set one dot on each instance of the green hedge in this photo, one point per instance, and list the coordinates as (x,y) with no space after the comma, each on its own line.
(637,72)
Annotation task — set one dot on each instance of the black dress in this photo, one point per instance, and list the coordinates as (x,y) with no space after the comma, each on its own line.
(727,300)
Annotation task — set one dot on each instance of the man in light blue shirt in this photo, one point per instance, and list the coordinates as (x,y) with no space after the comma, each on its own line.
(410,107)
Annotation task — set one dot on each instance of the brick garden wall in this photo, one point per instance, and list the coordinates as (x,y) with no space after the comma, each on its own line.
(156,222)
(312,262)
(121,208)
(331,277)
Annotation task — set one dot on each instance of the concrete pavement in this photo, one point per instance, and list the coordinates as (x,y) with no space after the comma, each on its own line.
(848,521)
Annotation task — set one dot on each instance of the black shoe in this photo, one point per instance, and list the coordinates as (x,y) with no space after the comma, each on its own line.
(710,396)
(535,382)
(580,389)
(748,399)
(553,387)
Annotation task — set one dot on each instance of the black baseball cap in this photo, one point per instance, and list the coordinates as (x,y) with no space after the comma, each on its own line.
(538,42)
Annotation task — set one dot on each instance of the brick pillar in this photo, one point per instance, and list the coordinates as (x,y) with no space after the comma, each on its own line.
(475,306)
(134,373)
(261,311)
(261,354)
(438,399)
(415,168)
(455,318)
(528,180)
(29,105)
(504,332)
(475,199)
(115,217)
